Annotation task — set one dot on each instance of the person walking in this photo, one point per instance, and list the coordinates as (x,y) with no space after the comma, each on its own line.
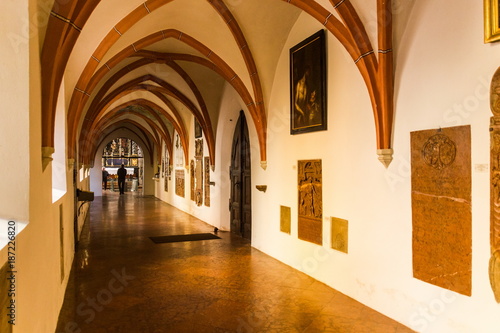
(105,175)
(122,172)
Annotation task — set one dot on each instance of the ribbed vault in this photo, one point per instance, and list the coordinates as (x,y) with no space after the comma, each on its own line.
(115,78)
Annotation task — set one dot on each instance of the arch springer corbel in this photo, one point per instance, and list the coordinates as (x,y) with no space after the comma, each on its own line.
(385,156)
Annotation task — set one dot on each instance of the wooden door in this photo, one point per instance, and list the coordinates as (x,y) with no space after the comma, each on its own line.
(240,174)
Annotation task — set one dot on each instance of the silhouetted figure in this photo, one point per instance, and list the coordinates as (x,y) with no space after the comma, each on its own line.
(122,172)
(105,175)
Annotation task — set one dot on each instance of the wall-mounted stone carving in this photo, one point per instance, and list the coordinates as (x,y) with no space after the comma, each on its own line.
(310,206)
(178,152)
(439,151)
(199,181)
(339,229)
(494,267)
(441,207)
(198,172)
(198,148)
(207,181)
(285,219)
(179,183)
(191,173)
(168,164)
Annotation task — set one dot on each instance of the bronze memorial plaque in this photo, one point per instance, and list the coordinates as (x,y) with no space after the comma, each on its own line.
(179,183)
(285,220)
(441,207)
(339,234)
(310,201)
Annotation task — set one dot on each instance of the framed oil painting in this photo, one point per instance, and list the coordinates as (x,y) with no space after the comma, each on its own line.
(308,85)
(197,129)
(491,21)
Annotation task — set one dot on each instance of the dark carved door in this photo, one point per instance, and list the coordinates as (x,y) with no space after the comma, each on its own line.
(240,173)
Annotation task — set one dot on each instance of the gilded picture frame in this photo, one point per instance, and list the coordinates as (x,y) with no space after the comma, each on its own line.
(308,111)
(491,21)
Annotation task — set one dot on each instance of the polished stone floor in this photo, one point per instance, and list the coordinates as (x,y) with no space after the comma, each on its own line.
(123,282)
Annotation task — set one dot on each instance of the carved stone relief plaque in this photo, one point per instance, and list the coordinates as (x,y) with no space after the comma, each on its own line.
(285,220)
(179,183)
(198,149)
(441,207)
(494,267)
(168,162)
(339,234)
(439,151)
(191,173)
(207,181)
(198,173)
(199,181)
(310,201)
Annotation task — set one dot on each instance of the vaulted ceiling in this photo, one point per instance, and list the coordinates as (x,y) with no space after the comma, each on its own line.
(151,66)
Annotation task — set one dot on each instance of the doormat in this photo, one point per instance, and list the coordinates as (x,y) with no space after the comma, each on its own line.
(183,238)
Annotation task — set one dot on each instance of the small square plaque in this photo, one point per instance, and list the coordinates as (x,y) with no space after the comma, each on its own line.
(339,234)
(285,221)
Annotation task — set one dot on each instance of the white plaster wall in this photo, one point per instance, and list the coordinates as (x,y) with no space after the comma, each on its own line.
(206,214)
(39,288)
(442,77)
(218,212)
(228,118)
(14,127)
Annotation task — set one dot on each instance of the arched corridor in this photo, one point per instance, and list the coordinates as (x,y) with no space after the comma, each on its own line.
(369,162)
(121,281)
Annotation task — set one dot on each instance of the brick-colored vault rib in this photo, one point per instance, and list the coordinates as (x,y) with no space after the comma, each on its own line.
(148,145)
(378,75)
(106,122)
(138,84)
(115,127)
(385,77)
(63,29)
(96,122)
(309,6)
(153,57)
(100,135)
(80,96)
(77,100)
(239,37)
(216,62)
(135,85)
(122,125)
(114,117)
(151,106)
(194,90)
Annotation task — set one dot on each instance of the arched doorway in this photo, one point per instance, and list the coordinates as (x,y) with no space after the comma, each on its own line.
(240,174)
(127,152)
